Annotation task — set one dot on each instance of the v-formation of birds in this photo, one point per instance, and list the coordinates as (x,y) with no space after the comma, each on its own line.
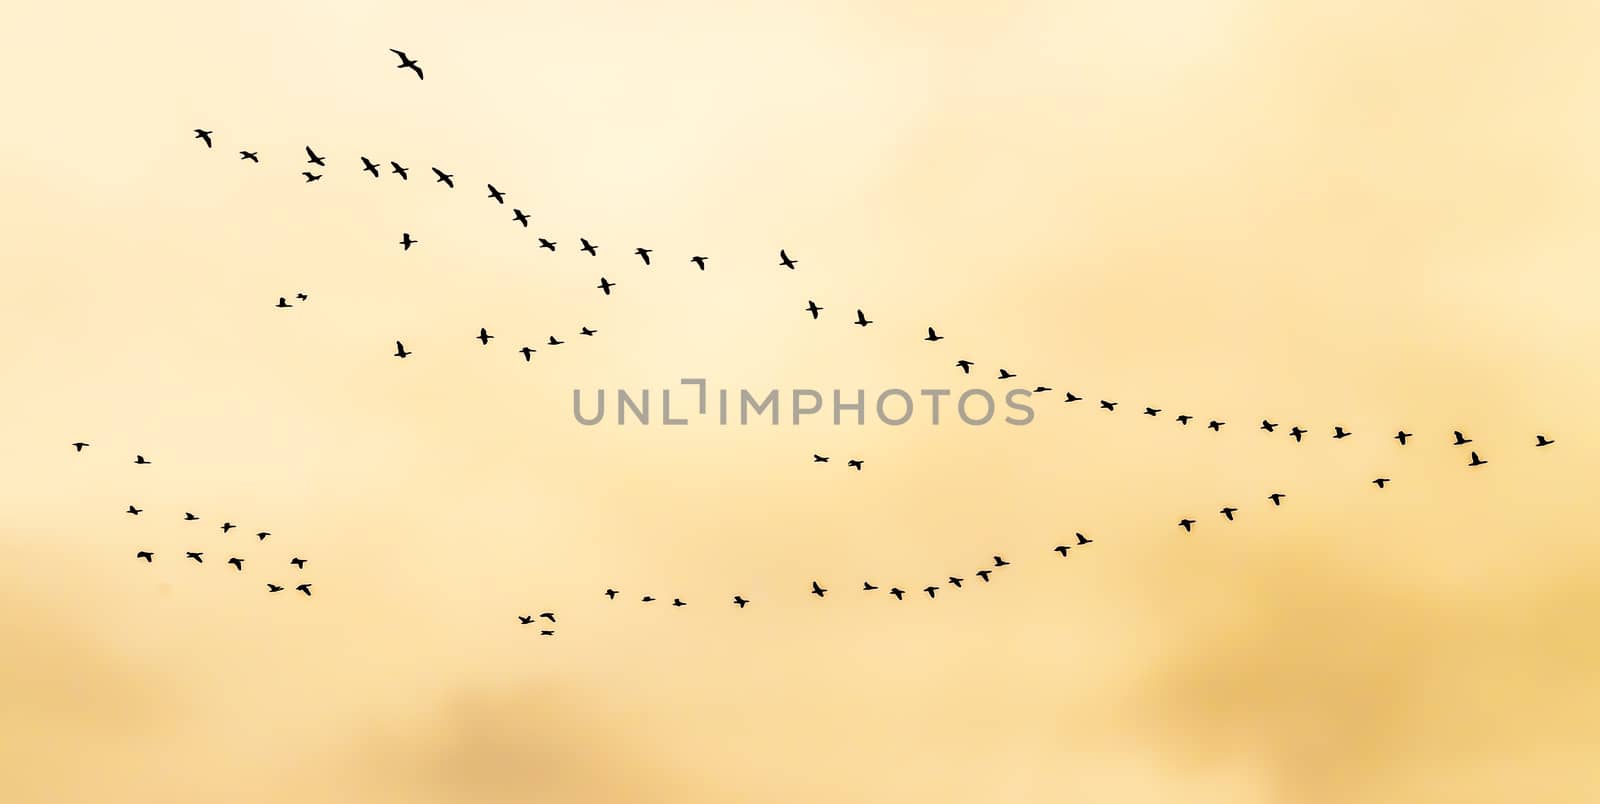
(814,311)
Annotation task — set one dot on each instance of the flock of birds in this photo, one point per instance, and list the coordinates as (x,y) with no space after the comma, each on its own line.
(648,258)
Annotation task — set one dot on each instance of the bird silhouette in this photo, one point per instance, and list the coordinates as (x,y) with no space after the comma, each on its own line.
(398,170)
(1071,397)
(524,619)
(77,446)
(1276,497)
(408,62)
(813,309)
(1215,425)
(1184,419)
(272,587)
(554,342)
(647,599)
(406,242)
(300,296)
(965,366)
(611,594)
(135,511)
(297,562)
(1062,549)
(984,574)
(199,558)
(1001,562)
(817,589)
(1039,389)
(238,563)
(305,587)
(1111,406)
(441,177)
(930,590)
(520,217)
(644,254)
(1340,432)
(854,463)
(227,526)
(1005,375)
(371,167)
(956,582)
(1187,525)
(866,586)
(1268,426)
(739,601)
(202,134)
(587,331)
(548,615)
(933,337)
(283,303)
(861,318)
(815,458)
(606,286)
(677,603)
(146,555)
(250,155)
(699,262)
(1476,461)
(587,247)
(1083,540)
(1228,512)
(313,159)
(1543,442)
(1460,439)
(783,256)
(499,197)
(400,350)
(547,245)
(1151,411)
(527,353)
(188,517)
(262,535)
(1297,433)
(1380,481)
(140,460)
(483,336)
(899,594)
(1401,437)
(547,633)
(310,177)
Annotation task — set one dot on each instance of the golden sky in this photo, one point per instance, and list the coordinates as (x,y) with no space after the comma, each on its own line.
(1323,214)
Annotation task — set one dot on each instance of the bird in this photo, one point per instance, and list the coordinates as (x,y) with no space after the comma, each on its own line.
(1083,540)
(1184,418)
(611,594)
(1187,525)
(677,603)
(699,261)
(1340,432)
(783,256)
(548,615)
(866,586)
(1380,481)
(483,336)
(238,563)
(524,619)
(1072,397)
(146,555)
(933,337)
(262,535)
(1111,406)
(272,587)
(1268,426)
(188,517)
(313,159)
(1544,442)
(984,574)
(588,248)
(1228,512)
(140,460)
(861,318)
(443,177)
(1151,411)
(899,594)
(395,168)
(202,134)
(813,309)
(739,601)
(1296,432)
(1039,389)
(135,511)
(606,286)
(587,331)
(1276,497)
(955,581)
(1215,425)
(499,197)
(547,633)
(527,353)
(198,557)
(854,463)
(283,303)
(644,254)
(227,526)
(1062,549)
(817,589)
(520,217)
(77,446)
(1401,437)
(554,342)
(930,590)
(250,155)
(647,599)
(1476,461)
(371,167)
(406,242)
(548,245)
(1460,439)
(305,587)
(301,296)
(965,366)
(407,62)
(310,177)
(1005,375)
(1001,562)
(815,458)
(298,562)
(400,350)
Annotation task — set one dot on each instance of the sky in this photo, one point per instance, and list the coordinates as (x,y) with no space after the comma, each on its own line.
(1349,214)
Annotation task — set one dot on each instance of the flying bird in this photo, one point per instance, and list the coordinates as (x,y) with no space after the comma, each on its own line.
(1460,439)
(548,245)
(1215,425)
(899,594)
(965,366)
(1228,512)
(1187,525)
(611,594)
(188,517)
(146,555)
(699,261)
(1268,426)
(527,353)
(588,248)
(313,159)
(817,589)
(262,536)
(984,574)
(866,586)
(1072,397)
(1544,442)
(547,633)
(739,601)
(406,242)
(606,286)
(1380,481)
(395,168)
(554,341)
(250,155)
(644,254)
(1297,433)
(305,587)
(933,337)
(1276,497)
(854,463)
(140,459)
(520,217)
(283,303)
(198,557)
(1062,549)
(370,166)
(1151,411)
(1111,406)
(524,619)
(202,134)
(861,318)
(400,350)
(676,603)
(783,256)
(1340,432)
(1401,437)
(227,526)
(930,590)
(1184,419)
(483,336)
(1005,375)
(815,458)
(297,562)
(955,581)
(310,177)
(1001,562)
(272,587)
(1039,389)
(548,615)
(77,446)
(499,197)
(1476,461)
(813,309)
(238,563)
(444,177)
(407,62)
(647,599)
(587,331)
(1083,540)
